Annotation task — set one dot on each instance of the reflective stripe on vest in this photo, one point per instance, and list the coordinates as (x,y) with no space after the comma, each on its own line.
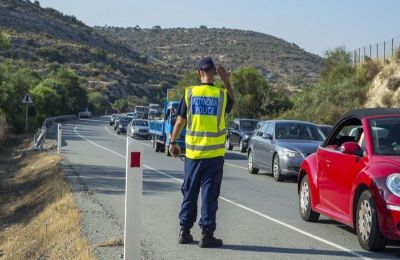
(205,148)
(205,131)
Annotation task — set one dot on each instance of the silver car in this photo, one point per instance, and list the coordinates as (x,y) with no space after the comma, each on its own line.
(139,128)
(280,146)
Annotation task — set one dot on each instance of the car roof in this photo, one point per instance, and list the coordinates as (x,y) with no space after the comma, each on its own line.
(370,112)
(290,121)
(248,119)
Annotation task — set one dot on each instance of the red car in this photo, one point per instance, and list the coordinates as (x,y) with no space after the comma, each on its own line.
(354,177)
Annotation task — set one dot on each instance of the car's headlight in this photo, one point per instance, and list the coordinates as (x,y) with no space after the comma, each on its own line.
(135,130)
(246,136)
(289,153)
(393,183)
(120,126)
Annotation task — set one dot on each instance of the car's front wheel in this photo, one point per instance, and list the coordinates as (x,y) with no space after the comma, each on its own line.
(228,144)
(369,235)
(306,212)
(251,167)
(276,169)
(242,147)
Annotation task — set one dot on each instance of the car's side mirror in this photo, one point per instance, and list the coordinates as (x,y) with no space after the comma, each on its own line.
(351,148)
(267,136)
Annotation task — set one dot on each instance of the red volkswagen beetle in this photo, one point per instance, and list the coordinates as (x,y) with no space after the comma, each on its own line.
(354,177)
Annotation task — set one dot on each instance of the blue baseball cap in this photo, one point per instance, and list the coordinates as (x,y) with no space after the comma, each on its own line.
(206,64)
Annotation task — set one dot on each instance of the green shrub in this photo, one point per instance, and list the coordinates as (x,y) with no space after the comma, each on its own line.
(51,54)
(4,128)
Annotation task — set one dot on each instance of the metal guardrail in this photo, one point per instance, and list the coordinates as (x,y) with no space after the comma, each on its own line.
(38,142)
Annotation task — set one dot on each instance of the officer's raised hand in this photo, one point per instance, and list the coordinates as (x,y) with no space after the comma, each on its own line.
(223,74)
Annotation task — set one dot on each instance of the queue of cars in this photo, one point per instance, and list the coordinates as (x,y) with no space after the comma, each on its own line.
(131,125)
(349,172)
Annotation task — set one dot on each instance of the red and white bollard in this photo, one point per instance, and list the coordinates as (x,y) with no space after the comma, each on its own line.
(133,200)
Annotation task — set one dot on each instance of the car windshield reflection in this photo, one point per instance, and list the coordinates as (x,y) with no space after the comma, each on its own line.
(248,125)
(386,136)
(297,131)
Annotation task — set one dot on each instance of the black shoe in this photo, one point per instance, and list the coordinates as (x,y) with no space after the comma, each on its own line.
(209,241)
(185,237)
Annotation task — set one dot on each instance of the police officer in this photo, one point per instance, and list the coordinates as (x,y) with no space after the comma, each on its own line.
(202,110)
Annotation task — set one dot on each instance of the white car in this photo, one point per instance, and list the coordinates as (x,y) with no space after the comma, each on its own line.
(139,128)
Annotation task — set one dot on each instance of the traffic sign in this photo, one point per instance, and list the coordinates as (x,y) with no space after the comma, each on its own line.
(27,99)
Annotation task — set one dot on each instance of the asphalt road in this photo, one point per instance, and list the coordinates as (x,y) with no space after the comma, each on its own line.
(257,219)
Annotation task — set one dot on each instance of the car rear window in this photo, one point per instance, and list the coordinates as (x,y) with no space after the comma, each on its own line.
(386,135)
(248,125)
(140,123)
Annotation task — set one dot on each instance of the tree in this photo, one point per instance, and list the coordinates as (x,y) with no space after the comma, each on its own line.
(337,65)
(66,83)
(97,102)
(121,105)
(4,41)
(47,101)
(252,93)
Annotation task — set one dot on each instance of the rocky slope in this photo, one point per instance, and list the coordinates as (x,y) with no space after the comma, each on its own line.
(385,88)
(180,49)
(44,38)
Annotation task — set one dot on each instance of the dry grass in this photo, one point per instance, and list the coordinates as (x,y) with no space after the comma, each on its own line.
(38,217)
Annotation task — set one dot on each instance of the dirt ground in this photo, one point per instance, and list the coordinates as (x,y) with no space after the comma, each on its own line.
(38,216)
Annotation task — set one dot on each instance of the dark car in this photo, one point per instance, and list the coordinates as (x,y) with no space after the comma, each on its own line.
(325,129)
(354,177)
(123,124)
(239,133)
(113,118)
(280,146)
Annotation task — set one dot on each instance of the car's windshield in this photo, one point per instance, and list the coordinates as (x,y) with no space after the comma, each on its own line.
(325,130)
(125,120)
(386,135)
(248,125)
(154,106)
(140,123)
(297,131)
(140,109)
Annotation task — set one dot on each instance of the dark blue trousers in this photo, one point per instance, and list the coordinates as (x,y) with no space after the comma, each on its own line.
(204,175)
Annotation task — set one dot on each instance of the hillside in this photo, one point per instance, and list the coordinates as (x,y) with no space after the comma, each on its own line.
(44,38)
(384,90)
(180,49)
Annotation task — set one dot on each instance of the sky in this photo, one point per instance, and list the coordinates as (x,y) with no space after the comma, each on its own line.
(314,25)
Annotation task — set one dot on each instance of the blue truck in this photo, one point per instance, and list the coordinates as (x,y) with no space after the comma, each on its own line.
(161,130)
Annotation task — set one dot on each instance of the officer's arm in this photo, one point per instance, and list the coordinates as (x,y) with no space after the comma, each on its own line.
(179,125)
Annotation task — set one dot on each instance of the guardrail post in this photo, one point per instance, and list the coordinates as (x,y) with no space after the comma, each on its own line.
(133,200)
(59,136)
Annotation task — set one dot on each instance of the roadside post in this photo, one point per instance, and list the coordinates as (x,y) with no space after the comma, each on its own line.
(133,200)
(27,100)
(59,138)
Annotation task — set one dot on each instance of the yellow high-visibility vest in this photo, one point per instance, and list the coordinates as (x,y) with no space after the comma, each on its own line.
(205,128)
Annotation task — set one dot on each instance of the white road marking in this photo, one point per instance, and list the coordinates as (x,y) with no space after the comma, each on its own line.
(92,120)
(293,228)
(236,166)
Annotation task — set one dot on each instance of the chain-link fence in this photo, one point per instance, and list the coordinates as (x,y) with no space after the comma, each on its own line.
(384,51)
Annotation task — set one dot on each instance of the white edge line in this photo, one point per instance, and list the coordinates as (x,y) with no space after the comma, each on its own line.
(305,233)
(92,120)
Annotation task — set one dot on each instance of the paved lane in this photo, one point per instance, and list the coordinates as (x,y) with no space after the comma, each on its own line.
(258,218)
